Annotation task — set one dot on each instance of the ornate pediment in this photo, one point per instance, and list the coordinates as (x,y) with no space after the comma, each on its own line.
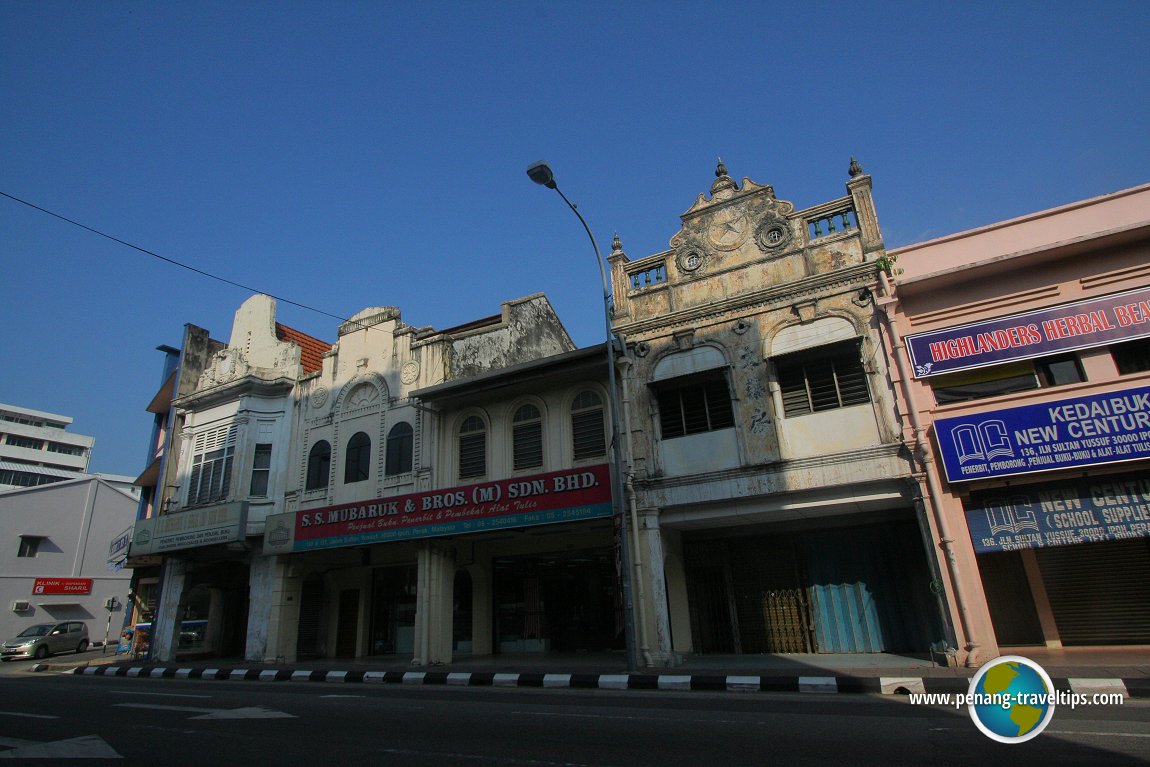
(734,218)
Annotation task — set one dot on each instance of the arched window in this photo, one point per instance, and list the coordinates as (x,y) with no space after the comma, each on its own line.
(527,437)
(472,448)
(400,446)
(318,465)
(358,461)
(588,435)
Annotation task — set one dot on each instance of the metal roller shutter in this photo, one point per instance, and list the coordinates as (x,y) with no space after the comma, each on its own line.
(1099,592)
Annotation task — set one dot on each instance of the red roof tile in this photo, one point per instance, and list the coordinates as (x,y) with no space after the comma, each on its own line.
(312,349)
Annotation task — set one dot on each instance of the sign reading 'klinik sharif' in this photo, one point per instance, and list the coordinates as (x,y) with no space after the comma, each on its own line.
(1082,431)
(1080,325)
(560,496)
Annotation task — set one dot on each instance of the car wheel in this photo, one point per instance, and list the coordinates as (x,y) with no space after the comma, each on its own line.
(82,646)
(41,652)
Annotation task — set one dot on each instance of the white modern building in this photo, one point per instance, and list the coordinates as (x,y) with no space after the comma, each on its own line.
(36,449)
(56,544)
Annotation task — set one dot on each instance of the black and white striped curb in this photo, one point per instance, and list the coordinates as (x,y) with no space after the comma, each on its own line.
(1138,688)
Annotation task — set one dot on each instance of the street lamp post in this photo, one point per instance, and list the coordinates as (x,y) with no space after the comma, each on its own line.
(541,174)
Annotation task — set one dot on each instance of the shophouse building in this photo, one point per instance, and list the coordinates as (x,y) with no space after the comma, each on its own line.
(220,468)
(1022,363)
(775,505)
(398,514)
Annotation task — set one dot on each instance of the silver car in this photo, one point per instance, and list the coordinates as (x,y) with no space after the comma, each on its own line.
(44,639)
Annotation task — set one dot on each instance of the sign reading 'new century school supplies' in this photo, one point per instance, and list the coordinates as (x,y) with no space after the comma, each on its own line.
(1082,431)
(1109,508)
(1080,325)
(540,499)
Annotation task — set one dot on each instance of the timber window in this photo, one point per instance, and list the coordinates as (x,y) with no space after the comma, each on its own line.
(1132,356)
(318,465)
(694,404)
(400,446)
(211,477)
(357,462)
(588,427)
(472,448)
(261,470)
(823,378)
(527,438)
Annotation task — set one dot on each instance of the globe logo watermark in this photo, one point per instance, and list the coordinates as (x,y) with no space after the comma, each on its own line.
(1011,699)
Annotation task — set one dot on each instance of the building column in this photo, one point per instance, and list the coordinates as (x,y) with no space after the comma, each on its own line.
(283,612)
(433,617)
(655,634)
(482,608)
(166,623)
(1050,635)
(261,579)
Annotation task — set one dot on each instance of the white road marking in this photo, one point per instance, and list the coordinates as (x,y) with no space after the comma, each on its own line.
(27,716)
(86,747)
(158,694)
(248,712)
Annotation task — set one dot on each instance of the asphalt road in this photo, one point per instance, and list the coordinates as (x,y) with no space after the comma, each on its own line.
(57,717)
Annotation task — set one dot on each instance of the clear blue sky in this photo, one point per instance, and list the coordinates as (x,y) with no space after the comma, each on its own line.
(346,155)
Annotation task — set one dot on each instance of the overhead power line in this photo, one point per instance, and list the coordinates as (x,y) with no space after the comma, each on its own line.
(172,261)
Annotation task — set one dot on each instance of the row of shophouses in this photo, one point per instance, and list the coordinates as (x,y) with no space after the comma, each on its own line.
(825,446)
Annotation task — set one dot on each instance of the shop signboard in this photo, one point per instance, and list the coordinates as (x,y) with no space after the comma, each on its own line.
(560,496)
(1110,508)
(1080,325)
(189,529)
(62,586)
(1064,434)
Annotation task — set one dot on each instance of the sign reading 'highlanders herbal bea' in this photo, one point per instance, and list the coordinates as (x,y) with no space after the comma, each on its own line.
(1079,325)
(540,499)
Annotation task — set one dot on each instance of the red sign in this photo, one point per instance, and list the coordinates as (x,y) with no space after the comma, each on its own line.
(62,586)
(560,496)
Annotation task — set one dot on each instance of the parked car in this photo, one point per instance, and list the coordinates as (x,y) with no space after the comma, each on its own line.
(44,639)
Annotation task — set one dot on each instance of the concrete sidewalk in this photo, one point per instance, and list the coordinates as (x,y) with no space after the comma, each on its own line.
(1082,670)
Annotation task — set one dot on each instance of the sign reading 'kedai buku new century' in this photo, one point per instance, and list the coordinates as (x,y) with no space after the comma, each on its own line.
(1064,434)
(540,499)
(1079,325)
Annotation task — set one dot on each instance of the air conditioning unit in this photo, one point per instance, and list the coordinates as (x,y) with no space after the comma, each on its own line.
(19,607)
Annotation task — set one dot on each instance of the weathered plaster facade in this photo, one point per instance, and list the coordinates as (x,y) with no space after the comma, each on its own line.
(749,285)
(333,602)
(231,461)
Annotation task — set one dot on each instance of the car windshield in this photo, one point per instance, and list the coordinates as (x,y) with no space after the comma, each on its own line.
(39,630)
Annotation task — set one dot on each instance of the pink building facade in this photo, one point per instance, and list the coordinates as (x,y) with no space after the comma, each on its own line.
(1022,368)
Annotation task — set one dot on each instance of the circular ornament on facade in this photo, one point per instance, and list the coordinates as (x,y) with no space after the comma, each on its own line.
(773,234)
(690,261)
(409,372)
(728,229)
(319,396)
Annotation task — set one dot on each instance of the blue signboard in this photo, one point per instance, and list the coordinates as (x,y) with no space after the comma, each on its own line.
(1082,431)
(1080,325)
(1111,508)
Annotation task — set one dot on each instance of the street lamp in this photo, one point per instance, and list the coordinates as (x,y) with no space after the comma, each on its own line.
(541,174)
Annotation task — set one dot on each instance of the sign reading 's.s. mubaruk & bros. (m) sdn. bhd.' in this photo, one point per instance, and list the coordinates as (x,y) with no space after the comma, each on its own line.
(539,499)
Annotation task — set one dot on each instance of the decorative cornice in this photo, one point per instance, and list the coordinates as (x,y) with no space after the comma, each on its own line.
(775,296)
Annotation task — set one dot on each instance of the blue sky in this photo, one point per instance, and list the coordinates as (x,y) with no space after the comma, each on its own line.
(345,155)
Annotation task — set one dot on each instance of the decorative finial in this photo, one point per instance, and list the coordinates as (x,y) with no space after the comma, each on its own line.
(855,169)
(616,244)
(721,170)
